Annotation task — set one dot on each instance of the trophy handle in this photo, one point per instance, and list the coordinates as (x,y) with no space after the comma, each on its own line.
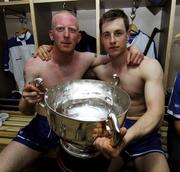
(114,126)
(113,123)
(39,81)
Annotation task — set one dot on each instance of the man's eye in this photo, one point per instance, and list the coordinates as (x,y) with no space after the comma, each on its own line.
(117,34)
(106,35)
(60,29)
(72,30)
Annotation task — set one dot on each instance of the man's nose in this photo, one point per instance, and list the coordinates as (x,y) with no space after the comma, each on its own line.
(66,32)
(112,39)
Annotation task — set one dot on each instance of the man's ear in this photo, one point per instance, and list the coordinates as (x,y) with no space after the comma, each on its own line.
(128,34)
(79,37)
(101,39)
(51,35)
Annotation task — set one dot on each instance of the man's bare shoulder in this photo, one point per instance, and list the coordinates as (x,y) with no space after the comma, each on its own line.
(150,67)
(33,61)
(86,54)
(92,55)
(149,63)
(35,64)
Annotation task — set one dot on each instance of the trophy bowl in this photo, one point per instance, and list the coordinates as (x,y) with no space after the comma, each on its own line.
(75,107)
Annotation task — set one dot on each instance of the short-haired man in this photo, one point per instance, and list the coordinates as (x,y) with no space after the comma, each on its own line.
(144,85)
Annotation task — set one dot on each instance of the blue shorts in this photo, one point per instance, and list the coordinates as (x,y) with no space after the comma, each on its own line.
(147,144)
(38,135)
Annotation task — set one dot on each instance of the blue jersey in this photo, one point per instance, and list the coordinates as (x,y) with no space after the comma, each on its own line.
(17,51)
(174,103)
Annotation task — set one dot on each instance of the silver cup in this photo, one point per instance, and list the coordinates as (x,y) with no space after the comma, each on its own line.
(75,107)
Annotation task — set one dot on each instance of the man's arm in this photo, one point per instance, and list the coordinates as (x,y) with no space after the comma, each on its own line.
(30,94)
(43,52)
(29,99)
(26,107)
(135,58)
(154,96)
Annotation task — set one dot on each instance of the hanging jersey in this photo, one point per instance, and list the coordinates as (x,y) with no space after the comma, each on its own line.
(140,40)
(17,51)
(174,103)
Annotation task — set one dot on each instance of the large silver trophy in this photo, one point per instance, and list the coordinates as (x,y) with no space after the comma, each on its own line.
(75,107)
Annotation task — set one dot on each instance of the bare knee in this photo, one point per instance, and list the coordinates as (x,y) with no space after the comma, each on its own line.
(152,162)
(16,156)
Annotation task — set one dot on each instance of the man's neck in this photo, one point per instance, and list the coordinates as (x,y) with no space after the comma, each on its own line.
(62,58)
(120,61)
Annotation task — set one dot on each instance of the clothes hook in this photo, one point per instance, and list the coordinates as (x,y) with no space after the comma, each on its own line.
(136,3)
(133,14)
(133,11)
(4,10)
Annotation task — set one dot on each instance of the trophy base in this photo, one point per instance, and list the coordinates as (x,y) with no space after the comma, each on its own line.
(77,152)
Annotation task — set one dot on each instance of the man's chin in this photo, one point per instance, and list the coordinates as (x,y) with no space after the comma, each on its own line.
(113,54)
(66,48)
(67,51)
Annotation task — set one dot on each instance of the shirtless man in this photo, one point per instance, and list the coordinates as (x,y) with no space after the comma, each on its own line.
(66,64)
(144,85)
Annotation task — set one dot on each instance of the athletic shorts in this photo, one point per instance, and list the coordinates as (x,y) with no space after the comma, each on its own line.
(38,135)
(147,144)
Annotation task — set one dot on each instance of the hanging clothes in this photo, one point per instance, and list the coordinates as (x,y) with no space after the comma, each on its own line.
(140,39)
(87,43)
(18,49)
(174,103)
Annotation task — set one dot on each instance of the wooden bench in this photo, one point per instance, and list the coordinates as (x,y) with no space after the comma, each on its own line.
(163,130)
(9,130)
(11,126)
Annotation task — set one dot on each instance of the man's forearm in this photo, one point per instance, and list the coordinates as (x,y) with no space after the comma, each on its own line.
(143,126)
(26,108)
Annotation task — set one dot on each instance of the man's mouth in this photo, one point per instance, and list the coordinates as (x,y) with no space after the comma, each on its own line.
(66,43)
(114,47)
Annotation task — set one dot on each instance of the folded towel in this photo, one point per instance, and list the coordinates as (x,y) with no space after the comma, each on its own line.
(3,117)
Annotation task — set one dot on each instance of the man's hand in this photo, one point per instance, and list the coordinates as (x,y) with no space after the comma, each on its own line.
(32,94)
(105,145)
(100,130)
(135,57)
(43,52)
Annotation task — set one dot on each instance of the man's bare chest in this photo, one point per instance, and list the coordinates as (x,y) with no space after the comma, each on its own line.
(130,80)
(55,76)
(133,84)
